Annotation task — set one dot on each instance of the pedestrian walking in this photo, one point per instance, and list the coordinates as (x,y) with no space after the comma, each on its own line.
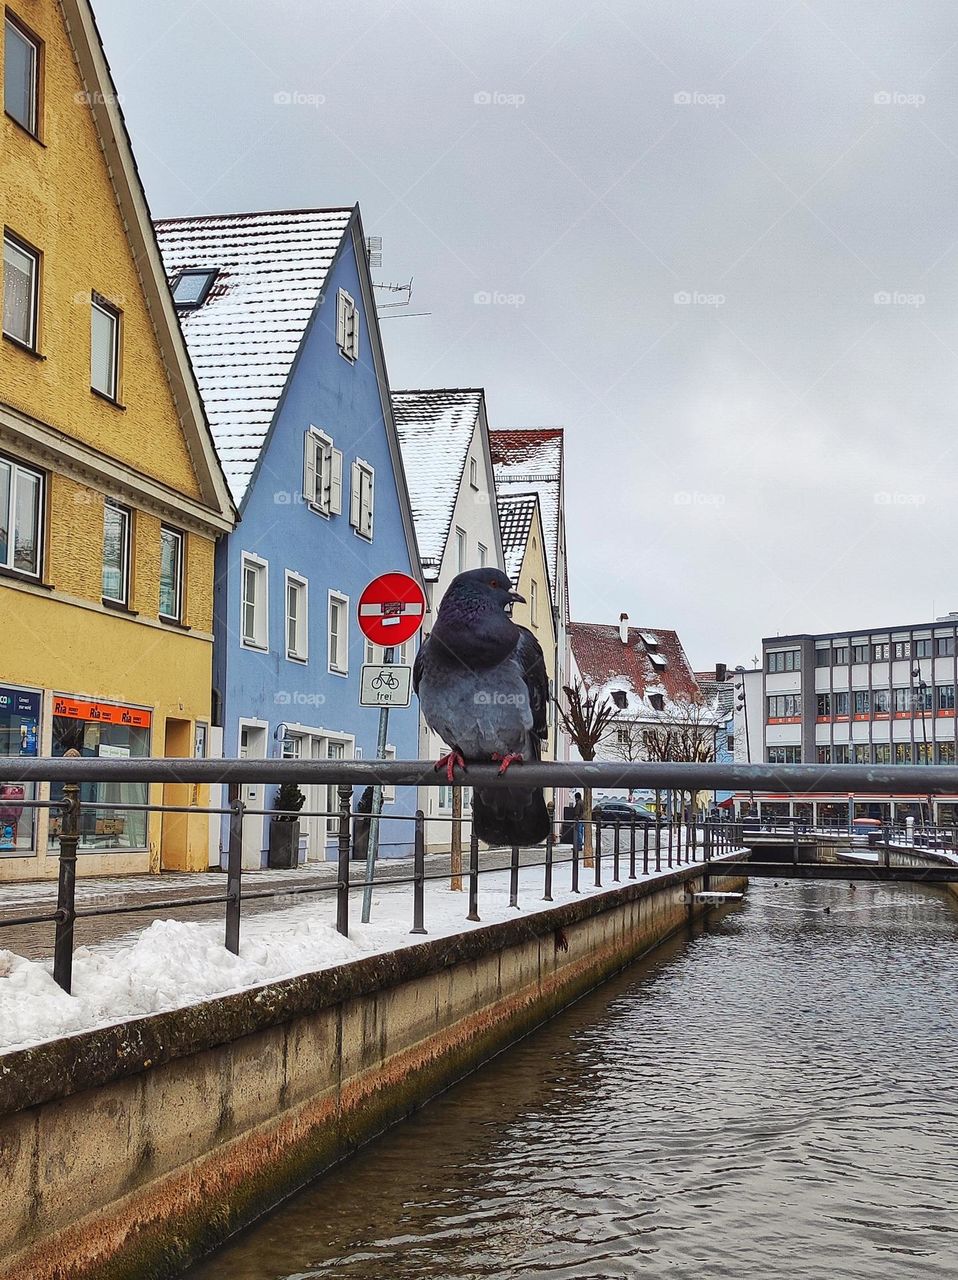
(578,825)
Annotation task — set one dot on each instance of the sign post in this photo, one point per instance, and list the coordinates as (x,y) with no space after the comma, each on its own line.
(391,610)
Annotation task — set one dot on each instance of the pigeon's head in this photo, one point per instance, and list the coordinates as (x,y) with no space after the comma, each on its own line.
(490,586)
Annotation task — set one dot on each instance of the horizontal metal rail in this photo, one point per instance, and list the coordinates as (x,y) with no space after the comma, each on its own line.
(793,779)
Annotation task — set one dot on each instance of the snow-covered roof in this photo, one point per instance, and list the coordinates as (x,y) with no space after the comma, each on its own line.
(515,521)
(271,269)
(529,460)
(635,667)
(435,428)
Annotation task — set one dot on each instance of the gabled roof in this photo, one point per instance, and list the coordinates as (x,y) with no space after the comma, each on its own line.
(516,512)
(529,460)
(606,663)
(435,428)
(115,141)
(243,339)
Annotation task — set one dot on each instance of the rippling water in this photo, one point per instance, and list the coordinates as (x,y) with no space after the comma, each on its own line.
(774,1098)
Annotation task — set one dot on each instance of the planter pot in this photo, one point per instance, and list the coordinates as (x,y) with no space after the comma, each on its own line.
(283,844)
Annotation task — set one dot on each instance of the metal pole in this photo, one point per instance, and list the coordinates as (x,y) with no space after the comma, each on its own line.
(670,841)
(795,843)
(345,793)
(598,851)
(632,852)
(550,840)
(372,845)
(615,853)
(473,876)
(645,848)
(66,887)
(514,877)
(419,873)
(234,876)
(575,860)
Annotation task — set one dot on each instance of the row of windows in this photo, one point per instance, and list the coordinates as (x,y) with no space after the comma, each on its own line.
(784,660)
(881,701)
(888,753)
(839,654)
(22,497)
(21,310)
(254,618)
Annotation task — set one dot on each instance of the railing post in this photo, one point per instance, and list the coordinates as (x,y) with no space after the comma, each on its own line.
(550,840)
(678,840)
(345,794)
(514,876)
(575,858)
(615,853)
(66,887)
(632,851)
(658,842)
(419,873)
(234,876)
(695,841)
(598,851)
(707,841)
(473,876)
(645,848)
(671,825)
(795,842)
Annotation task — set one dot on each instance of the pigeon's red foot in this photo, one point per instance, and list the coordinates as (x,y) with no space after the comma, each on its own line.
(506,760)
(449,763)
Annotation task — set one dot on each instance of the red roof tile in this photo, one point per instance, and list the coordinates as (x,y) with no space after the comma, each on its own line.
(602,658)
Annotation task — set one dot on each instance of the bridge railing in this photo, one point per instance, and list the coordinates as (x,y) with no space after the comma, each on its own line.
(645,844)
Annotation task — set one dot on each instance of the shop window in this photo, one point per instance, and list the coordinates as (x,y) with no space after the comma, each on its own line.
(19,736)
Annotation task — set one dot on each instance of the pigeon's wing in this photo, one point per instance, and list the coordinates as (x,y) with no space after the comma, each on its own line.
(417,666)
(532,662)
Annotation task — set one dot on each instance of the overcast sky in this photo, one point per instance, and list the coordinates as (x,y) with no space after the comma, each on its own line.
(720,239)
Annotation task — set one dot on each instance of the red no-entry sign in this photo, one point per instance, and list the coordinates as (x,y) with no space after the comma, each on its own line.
(391,609)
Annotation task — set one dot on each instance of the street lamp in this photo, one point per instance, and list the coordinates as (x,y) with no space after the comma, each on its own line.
(922,696)
(741,704)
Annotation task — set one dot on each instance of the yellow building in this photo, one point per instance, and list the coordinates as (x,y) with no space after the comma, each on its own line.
(523,546)
(111,495)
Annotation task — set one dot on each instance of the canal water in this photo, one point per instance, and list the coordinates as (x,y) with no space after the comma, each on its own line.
(772,1097)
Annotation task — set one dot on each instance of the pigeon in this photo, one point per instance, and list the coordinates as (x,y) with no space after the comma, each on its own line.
(483,688)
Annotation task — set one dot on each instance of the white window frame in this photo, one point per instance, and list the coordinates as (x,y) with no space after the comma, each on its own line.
(362,488)
(474,473)
(300,585)
(534,602)
(15,470)
(32,124)
(462,550)
(127,517)
(342,638)
(483,553)
(347,326)
(348,745)
(112,313)
(28,251)
(322,473)
(180,537)
(260,638)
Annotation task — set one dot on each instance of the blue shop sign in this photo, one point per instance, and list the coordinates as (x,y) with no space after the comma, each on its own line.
(18,705)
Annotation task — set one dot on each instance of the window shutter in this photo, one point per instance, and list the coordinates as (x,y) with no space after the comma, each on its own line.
(341,309)
(366,506)
(354,333)
(309,468)
(335,481)
(355,495)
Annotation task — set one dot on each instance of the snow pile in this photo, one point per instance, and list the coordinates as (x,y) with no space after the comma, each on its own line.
(171,964)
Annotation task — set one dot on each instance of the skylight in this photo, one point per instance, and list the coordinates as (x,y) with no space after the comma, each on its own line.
(190,288)
(651,641)
(658,660)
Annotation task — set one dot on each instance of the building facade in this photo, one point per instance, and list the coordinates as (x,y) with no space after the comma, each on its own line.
(280,318)
(111,495)
(881,696)
(444,437)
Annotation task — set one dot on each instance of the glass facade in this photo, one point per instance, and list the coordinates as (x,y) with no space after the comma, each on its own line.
(19,736)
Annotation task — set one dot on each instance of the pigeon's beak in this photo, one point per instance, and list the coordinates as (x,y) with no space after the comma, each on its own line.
(515,598)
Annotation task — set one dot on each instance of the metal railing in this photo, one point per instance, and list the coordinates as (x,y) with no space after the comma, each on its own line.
(653,844)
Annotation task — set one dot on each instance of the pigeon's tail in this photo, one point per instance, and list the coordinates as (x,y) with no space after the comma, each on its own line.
(510,815)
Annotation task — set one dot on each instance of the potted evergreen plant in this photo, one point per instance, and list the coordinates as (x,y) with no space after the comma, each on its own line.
(284,826)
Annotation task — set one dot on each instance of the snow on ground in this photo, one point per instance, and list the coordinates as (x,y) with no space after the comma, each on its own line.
(170,963)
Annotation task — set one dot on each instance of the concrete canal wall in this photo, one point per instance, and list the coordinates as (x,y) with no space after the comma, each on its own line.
(129,1151)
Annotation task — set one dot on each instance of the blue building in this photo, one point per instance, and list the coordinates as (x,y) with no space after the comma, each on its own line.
(279,316)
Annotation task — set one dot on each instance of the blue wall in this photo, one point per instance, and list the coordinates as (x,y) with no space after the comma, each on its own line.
(341,398)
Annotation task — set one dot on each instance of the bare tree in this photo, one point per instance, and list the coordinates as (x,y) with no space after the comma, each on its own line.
(585,717)
(684,733)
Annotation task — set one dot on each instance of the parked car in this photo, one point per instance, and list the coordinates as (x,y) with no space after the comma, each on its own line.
(619,813)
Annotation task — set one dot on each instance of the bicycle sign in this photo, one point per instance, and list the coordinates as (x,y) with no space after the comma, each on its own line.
(385,685)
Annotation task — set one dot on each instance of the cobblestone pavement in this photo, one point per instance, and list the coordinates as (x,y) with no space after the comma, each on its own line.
(35,941)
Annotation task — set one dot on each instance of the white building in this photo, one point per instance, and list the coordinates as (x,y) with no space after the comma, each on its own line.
(444,440)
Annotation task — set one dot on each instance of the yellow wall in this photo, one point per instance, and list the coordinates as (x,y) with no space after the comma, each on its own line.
(58,197)
(534,569)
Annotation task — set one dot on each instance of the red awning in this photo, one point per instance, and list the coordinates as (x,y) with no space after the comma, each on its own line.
(727,804)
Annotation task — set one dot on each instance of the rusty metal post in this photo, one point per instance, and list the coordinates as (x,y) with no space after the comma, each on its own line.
(345,793)
(66,887)
(550,841)
(419,873)
(234,876)
(473,876)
